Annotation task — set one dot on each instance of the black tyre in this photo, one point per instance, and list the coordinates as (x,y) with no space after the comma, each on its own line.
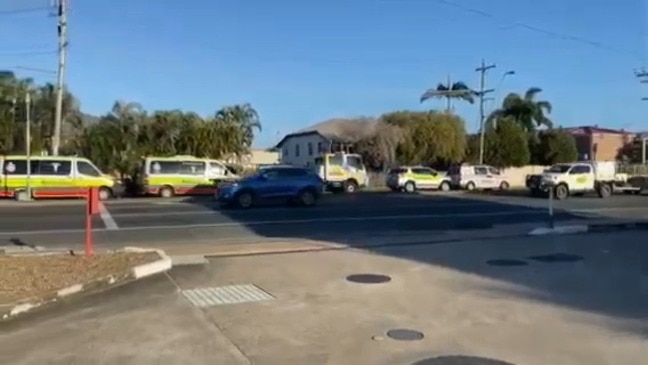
(470,186)
(504,185)
(350,187)
(245,200)
(561,192)
(445,186)
(105,193)
(604,190)
(166,192)
(409,187)
(307,198)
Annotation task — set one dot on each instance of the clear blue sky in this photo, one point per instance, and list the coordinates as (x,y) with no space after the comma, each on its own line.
(299,62)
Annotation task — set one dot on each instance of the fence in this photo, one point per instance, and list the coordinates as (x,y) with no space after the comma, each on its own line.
(633,169)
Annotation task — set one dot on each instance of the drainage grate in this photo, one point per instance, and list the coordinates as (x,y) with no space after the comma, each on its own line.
(506,262)
(557,257)
(368,278)
(460,360)
(405,335)
(230,294)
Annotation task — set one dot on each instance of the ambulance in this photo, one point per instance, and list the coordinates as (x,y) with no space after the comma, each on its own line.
(182,175)
(53,177)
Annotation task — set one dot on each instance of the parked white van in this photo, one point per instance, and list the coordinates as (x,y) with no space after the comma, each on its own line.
(480,177)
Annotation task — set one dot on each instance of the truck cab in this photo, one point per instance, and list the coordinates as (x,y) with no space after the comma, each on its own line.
(341,171)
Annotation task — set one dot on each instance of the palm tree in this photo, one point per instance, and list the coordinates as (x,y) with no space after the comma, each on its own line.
(12,110)
(449,91)
(237,124)
(44,112)
(525,110)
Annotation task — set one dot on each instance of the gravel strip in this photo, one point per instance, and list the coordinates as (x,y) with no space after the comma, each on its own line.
(26,277)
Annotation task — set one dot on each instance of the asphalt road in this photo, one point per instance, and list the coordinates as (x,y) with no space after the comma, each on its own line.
(160,222)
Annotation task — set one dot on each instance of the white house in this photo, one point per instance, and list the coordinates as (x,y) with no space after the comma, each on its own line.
(301,148)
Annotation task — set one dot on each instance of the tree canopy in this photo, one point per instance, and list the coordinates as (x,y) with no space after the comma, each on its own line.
(410,137)
(506,145)
(119,138)
(553,146)
(524,109)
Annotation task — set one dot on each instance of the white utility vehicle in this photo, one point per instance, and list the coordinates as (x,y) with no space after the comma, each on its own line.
(477,177)
(579,178)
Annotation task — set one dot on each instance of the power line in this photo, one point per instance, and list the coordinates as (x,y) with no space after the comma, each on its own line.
(24,11)
(546,32)
(27,53)
(26,6)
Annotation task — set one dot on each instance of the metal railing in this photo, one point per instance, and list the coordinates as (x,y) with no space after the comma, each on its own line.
(632,169)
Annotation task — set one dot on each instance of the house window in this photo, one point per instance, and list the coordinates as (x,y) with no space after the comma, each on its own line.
(320,147)
(285,152)
(310,149)
(296,150)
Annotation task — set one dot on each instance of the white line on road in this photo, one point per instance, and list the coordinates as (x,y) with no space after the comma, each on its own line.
(108,220)
(280,222)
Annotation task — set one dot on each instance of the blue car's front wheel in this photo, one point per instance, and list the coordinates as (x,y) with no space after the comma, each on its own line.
(244,199)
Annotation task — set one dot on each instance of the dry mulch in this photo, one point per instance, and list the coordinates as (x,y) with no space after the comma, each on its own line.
(32,276)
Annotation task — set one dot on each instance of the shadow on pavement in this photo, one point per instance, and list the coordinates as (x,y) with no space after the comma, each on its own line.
(355,220)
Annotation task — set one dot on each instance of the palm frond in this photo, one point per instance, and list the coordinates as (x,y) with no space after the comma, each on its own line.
(531,93)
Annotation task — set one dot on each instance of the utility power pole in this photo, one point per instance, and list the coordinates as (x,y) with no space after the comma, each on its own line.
(642,75)
(62,48)
(482,93)
(28,143)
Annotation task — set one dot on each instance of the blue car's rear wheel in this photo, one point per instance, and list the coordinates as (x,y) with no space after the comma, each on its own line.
(307,198)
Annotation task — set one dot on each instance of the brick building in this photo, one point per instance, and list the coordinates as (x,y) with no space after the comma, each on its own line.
(600,144)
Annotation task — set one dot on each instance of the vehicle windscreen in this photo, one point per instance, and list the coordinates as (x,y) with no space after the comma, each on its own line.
(397,171)
(558,169)
(337,160)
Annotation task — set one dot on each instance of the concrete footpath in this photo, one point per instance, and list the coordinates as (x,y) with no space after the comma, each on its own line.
(559,300)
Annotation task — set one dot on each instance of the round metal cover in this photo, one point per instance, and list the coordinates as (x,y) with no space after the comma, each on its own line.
(368,278)
(402,334)
(506,262)
(460,360)
(557,257)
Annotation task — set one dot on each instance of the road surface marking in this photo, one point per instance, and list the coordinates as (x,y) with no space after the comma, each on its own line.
(280,222)
(108,220)
(609,209)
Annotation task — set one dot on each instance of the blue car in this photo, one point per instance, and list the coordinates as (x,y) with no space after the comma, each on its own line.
(291,184)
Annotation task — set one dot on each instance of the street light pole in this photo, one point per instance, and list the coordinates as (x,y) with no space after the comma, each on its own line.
(499,88)
(481,93)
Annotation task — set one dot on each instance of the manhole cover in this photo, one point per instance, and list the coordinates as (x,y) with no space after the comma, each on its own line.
(405,335)
(461,360)
(368,278)
(557,257)
(506,262)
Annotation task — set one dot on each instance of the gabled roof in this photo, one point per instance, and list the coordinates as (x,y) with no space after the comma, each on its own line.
(337,130)
(595,129)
